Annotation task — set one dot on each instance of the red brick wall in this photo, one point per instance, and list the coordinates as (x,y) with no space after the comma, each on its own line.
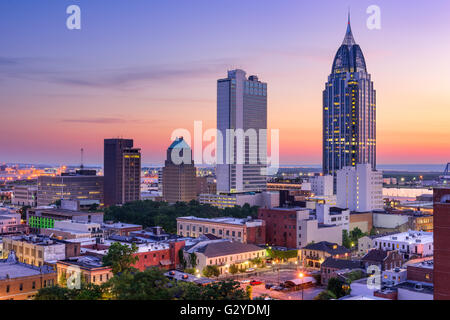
(153,258)
(281,227)
(27,292)
(257,235)
(441,233)
(419,274)
(387,295)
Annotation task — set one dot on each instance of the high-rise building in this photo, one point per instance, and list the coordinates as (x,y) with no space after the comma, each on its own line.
(122,171)
(179,173)
(441,233)
(241,112)
(359,188)
(83,185)
(349,116)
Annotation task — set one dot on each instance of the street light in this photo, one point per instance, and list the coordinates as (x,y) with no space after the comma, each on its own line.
(301,275)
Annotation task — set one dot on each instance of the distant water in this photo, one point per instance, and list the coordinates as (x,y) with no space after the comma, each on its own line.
(412,167)
(386,167)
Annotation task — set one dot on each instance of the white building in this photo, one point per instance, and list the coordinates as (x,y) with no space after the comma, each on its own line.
(359,188)
(409,243)
(322,185)
(24,195)
(312,230)
(241,105)
(333,215)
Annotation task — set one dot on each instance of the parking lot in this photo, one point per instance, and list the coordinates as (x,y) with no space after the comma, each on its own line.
(275,277)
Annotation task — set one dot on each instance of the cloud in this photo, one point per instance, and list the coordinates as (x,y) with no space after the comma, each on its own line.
(35,69)
(105,120)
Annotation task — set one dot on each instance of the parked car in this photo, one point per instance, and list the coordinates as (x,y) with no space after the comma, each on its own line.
(250,269)
(255,282)
(269,285)
(245,281)
(276,288)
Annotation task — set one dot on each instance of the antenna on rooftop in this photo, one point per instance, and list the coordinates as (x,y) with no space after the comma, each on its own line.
(82,154)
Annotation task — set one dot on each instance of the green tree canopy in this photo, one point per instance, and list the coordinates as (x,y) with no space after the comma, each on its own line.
(120,257)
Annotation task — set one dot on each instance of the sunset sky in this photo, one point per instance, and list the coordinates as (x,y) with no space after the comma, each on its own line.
(141,68)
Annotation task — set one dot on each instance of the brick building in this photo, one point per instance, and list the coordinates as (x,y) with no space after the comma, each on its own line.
(20,281)
(90,268)
(421,271)
(314,254)
(383,259)
(294,227)
(241,230)
(330,268)
(441,208)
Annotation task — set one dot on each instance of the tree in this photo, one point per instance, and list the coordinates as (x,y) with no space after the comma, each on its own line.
(249,291)
(211,271)
(346,241)
(120,257)
(337,287)
(53,293)
(224,290)
(325,295)
(182,259)
(150,284)
(193,260)
(234,269)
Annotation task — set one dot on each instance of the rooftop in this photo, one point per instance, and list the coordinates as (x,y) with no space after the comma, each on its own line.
(226,220)
(218,248)
(331,248)
(341,263)
(410,237)
(10,268)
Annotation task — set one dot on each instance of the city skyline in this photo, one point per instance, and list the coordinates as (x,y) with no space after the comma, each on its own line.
(153,85)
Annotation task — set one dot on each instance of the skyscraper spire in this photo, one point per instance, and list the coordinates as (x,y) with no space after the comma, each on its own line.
(348,39)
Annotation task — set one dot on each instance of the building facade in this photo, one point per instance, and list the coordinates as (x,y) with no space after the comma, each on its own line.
(179,173)
(84,186)
(21,281)
(349,110)
(242,123)
(441,200)
(25,195)
(241,230)
(122,171)
(359,188)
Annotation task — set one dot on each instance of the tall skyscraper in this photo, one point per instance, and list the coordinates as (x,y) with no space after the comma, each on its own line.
(122,171)
(241,110)
(179,177)
(349,116)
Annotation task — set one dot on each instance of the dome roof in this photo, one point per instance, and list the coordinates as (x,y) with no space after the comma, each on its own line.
(349,57)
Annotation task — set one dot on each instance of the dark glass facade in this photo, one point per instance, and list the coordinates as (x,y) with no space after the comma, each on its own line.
(349,110)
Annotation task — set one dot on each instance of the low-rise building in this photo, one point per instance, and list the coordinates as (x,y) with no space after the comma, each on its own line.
(421,271)
(409,244)
(361,220)
(44,217)
(295,227)
(24,195)
(68,229)
(243,230)
(402,221)
(333,215)
(381,260)
(10,224)
(21,281)
(223,253)
(90,268)
(267,199)
(119,228)
(314,254)
(331,267)
(39,250)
